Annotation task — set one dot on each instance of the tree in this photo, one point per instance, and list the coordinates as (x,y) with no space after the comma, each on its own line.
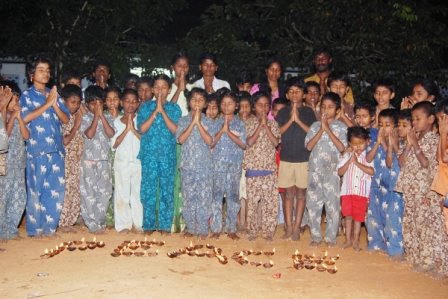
(400,39)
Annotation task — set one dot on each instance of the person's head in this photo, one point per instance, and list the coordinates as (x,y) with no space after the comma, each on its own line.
(339,83)
(129,101)
(16,92)
(38,69)
(113,95)
(387,120)
(70,77)
(273,69)
(208,64)
(130,81)
(404,123)
(101,72)
(364,114)
(261,102)
(312,93)
(244,104)
(212,109)
(162,85)
(93,96)
(180,63)
(227,102)
(278,105)
(441,107)
(358,138)
(423,117)
(144,88)
(425,90)
(244,81)
(322,60)
(197,99)
(72,95)
(295,90)
(330,105)
(383,92)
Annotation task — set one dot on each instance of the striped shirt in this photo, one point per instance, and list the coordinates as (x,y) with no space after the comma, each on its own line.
(355,181)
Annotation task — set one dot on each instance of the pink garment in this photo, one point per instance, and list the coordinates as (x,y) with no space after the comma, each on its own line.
(274,96)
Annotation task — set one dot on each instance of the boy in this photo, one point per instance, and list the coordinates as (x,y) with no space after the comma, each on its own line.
(294,122)
(355,189)
(364,114)
(340,83)
(43,111)
(384,93)
(144,88)
(128,208)
(70,77)
(244,81)
(95,182)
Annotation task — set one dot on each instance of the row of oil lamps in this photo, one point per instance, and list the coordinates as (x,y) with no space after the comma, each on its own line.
(72,246)
(193,250)
(129,248)
(311,262)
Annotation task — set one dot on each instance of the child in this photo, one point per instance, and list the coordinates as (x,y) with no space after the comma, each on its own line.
(355,189)
(383,93)
(74,143)
(144,88)
(326,140)
(278,105)
(113,101)
(212,108)
(12,185)
(43,112)
(312,97)
(244,113)
(294,122)
(130,81)
(340,83)
(365,116)
(96,181)
(424,238)
(262,139)
(128,208)
(423,90)
(180,65)
(70,77)
(196,165)
(157,122)
(244,81)
(228,149)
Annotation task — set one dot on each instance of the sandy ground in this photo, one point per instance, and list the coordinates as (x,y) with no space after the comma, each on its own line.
(96,274)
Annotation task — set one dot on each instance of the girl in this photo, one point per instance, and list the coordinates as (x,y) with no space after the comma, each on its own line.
(259,160)
(244,113)
(144,88)
(423,90)
(326,140)
(312,96)
(74,143)
(13,194)
(228,148)
(43,111)
(180,66)
(157,123)
(425,240)
(208,67)
(196,164)
(212,107)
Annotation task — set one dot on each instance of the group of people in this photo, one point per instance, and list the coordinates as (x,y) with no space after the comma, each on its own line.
(162,145)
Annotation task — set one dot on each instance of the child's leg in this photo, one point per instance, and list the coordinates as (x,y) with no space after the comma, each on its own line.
(233,201)
(375,228)
(33,208)
(219,184)
(203,207)
(393,227)
(15,192)
(166,208)
(290,195)
(356,235)
(4,184)
(348,231)
(269,205)
(332,209)
(314,204)
(300,208)
(71,207)
(148,194)
(253,199)
(242,215)
(136,203)
(122,200)
(188,198)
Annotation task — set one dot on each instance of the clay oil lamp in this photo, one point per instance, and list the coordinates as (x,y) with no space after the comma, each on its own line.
(153,253)
(139,253)
(191,253)
(217,251)
(145,246)
(121,246)
(222,259)
(237,255)
(198,246)
(208,254)
(182,251)
(115,253)
(256,264)
(190,247)
(71,248)
(318,260)
(321,268)
(330,262)
(127,253)
(199,254)
(258,252)
(269,264)
(209,246)
(336,257)
(297,254)
(268,253)
(310,266)
(332,270)
(306,256)
(82,247)
(248,252)
(91,245)
(159,243)
(298,264)
(46,253)
(133,246)
(79,242)
(172,254)
(100,244)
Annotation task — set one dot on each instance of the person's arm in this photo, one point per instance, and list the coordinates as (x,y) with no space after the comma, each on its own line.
(365,168)
(338,143)
(146,125)
(252,139)
(91,130)
(185,134)
(50,101)
(208,139)
(412,139)
(63,117)
(372,152)
(123,134)
(5,97)
(77,124)
(108,129)
(343,169)
(402,158)
(301,124)
(172,126)
(236,140)
(313,137)
(181,86)
(272,138)
(133,129)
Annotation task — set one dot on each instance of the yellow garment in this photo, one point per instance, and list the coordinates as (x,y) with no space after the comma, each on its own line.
(348,97)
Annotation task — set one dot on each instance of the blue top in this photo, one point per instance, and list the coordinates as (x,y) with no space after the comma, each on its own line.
(196,154)
(158,143)
(46,129)
(227,155)
(16,157)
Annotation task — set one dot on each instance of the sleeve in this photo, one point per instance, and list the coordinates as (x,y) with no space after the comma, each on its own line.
(181,126)
(275,129)
(255,88)
(25,104)
(243,132)
(118,131)
(312,132)
(343,159)
(142,115)
(62,106)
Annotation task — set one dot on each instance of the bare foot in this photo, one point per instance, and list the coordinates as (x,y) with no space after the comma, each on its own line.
(295,235)
(149,232)
(124,231)
(356,246)
(164,233)
(287,235)
(346,245)
(187,235)
(233,236)
(314,244)
(215,236)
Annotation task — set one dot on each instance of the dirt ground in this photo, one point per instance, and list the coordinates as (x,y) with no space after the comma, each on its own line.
(96,274)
